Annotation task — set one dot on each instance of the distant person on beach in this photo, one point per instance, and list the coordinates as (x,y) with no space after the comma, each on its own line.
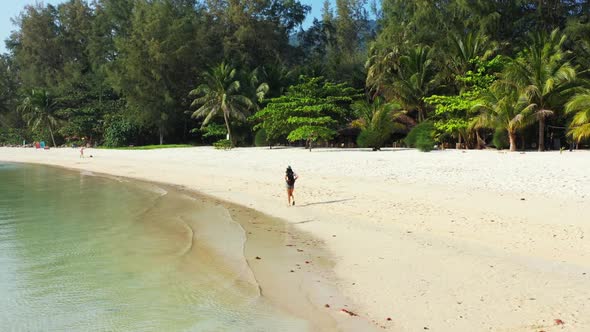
(82,152)
(290,178)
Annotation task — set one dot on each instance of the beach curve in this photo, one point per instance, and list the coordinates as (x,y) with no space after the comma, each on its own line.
(423,232)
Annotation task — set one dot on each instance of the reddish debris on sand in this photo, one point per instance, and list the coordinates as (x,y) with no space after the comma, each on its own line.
(348,312)
(307,262)
(558,321)
(292,271)
(290,245)
(258,257)
(388,318)
(327,305)
(300,250)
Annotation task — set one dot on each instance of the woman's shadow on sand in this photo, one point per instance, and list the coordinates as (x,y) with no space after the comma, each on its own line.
(328,202)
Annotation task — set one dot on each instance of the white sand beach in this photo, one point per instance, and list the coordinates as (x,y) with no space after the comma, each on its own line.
(441,241)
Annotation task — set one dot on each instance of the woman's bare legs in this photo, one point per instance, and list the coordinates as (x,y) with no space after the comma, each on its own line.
(289,195)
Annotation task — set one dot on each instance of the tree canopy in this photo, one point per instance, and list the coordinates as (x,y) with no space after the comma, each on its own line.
(309,111)
(121,71)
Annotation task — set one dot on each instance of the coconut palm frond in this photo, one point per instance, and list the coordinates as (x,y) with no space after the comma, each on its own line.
(208,107)
(200,90)
(581,118)
(580,132)
(543,113)
(484,120)
(531,92)
(197,102)
(578,103)
(233,87)
(548,86)
(566,73)
(517,121)
(209,115)
(261,91)
(243,101)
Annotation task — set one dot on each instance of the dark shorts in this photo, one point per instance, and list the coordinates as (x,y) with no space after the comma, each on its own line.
(290,186)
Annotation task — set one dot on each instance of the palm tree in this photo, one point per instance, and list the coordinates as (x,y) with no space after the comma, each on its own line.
(415,81)
(381,65)
(255,89)
(378,120)
(38,109)
(220,95)
(501,107)
(544,76)
(580,125)
(277,77)
(466,48)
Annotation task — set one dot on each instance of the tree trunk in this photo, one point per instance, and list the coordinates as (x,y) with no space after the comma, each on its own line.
(230,137)
(310,142)
(542,133)
(479,141)
(51,133)
(161,135)
(522,142)
(512,138)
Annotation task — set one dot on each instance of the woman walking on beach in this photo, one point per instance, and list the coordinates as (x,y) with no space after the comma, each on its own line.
(290,178)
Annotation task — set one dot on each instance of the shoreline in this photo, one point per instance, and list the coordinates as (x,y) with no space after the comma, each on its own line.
(309,275)
(448,240)
(277,262)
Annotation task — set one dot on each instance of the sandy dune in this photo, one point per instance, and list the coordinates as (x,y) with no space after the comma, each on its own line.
(441,241)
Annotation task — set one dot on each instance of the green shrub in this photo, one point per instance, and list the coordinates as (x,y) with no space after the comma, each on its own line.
(149,147)
(500,139)
(370,138)
(214,130)
(421,137)
(11,136)
(118,132)
(222,144)
(260,138)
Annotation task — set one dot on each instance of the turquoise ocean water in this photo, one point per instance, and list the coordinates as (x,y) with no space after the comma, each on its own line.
(80,252)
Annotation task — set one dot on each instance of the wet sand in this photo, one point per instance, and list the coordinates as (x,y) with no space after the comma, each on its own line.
(259,256)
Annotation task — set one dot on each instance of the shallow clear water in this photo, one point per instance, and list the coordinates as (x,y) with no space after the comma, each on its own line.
(88,253)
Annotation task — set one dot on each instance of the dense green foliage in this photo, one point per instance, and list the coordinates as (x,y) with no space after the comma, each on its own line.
(139,72)
(309,111)
(118,131)
(151,147)
(500,139)
(377,122)
(223,144)
(260,138)
(421,137)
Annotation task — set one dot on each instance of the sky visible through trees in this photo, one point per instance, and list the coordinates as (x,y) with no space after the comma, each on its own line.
(465,74)
(12,8)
